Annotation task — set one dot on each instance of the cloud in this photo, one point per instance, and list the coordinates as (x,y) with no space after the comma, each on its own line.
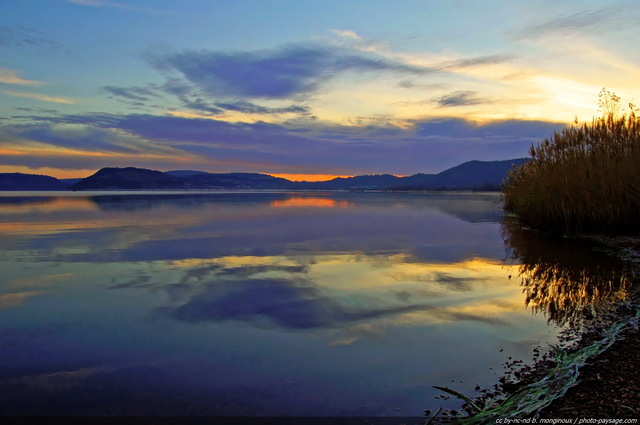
(86,138)
(407,84)
(295,70)
(460,98)
(351,40)
(200,104)
(37,110)
(348,34)
(41,97)
(216,83)
(314,146)
(251,108)
(97,3)
(9,76)
(457,128)
(478,61)
(189,97)
(80,147)
(220,107)
(139,94)
(21,37)
(254,142)
(116,5)
(589,21)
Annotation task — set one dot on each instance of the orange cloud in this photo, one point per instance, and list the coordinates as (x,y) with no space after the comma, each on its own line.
(42,97)
(65,152)
(8,76)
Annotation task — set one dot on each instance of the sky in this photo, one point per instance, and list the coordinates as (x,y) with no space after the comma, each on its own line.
(302,89)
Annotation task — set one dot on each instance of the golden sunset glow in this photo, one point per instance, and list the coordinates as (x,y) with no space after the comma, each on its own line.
(9,76)
(307,177)
(59,173)
(41,97)
(47,151)
(308,202)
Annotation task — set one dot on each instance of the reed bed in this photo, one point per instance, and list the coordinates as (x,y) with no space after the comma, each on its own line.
(584,178)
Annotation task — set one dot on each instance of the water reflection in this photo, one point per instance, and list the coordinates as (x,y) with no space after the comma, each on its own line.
(285,303)
(147,202)
(299,297)
(205,226)
(565,279)
(309,202)
(253,303)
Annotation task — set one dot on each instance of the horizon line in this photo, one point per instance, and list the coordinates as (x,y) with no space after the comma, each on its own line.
(293,177)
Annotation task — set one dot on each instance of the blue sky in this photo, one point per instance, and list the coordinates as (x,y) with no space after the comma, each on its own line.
(305,89)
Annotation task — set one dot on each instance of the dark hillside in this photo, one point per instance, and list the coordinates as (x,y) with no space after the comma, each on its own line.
(69,182)
(19,181)
(184,173)
(469,175)
(474,172)
(239,181)
(129,179)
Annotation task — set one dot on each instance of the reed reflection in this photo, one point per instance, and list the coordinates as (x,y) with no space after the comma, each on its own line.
(565,279)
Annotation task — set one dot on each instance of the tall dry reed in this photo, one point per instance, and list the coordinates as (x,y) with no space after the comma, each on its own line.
(584,178)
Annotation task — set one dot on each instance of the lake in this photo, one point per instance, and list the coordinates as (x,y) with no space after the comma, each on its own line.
(267,304)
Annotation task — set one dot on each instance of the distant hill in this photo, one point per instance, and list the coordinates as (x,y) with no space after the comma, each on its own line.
(473,172)
(130,178)
(140,178)
(478,175)
(184,173)
(486,175)
(239,181)
(19,181)
(69,182)
(474,175)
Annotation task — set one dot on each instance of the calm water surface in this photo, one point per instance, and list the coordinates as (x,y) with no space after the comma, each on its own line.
(255,303)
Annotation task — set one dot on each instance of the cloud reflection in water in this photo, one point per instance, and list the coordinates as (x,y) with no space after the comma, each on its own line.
(286,296)
(284,303)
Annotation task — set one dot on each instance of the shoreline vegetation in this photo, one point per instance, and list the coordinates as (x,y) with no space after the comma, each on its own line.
(582,179)
(583,183)
(600,314)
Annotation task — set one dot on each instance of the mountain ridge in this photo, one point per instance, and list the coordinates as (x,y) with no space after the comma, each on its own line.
(21,181)
(470,175)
